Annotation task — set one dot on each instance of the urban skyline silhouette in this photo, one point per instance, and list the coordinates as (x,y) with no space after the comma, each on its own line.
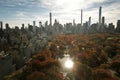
(17,12)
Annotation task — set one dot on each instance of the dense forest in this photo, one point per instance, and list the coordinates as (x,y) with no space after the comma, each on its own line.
(95,57)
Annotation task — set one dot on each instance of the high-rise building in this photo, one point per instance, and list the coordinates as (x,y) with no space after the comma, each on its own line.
(7,25)
(73,22)
(81,16)
(50,19)
(34,26)
(1,24)
(30,27)
(46,24)
(33,23)
(103,20)
(23,25)
(100,14)
(118,26)
(40,24)
(111,27)
(89,23)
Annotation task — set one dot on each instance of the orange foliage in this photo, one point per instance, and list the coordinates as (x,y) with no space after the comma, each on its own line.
(101,74)
(36,76)
(41,67)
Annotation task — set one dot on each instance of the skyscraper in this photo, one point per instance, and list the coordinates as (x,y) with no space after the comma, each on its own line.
(50,19)
(7,25)
(23,25)
(100,14)
(81,16)
(40,24)
(89,22)
(34,26)
(118,26)
(73,22)
(33,23)
(103,20)
(1,24)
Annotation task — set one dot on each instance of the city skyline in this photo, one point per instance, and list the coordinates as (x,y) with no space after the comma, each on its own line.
(16,12)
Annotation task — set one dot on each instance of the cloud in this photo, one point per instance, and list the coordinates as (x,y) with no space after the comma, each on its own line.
(20,14)
(63,10)
(68,4)
(67,10)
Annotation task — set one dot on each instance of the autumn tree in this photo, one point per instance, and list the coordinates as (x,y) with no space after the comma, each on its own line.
(82,72)
(101,74)
(44,68)
(115,64)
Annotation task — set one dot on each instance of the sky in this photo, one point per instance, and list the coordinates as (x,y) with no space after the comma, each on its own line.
(16,12)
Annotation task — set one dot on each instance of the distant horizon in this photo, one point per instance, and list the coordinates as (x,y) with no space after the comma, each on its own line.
(37,24)
(17,12)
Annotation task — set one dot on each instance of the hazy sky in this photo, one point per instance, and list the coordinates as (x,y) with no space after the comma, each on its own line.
(16,12)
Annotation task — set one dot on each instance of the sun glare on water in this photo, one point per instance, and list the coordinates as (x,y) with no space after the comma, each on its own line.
(69,63)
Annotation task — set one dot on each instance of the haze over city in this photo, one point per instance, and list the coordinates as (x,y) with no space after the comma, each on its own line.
(16,12)
(59,40)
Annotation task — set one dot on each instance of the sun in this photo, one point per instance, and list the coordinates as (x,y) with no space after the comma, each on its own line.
(69,64)
(69,5)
